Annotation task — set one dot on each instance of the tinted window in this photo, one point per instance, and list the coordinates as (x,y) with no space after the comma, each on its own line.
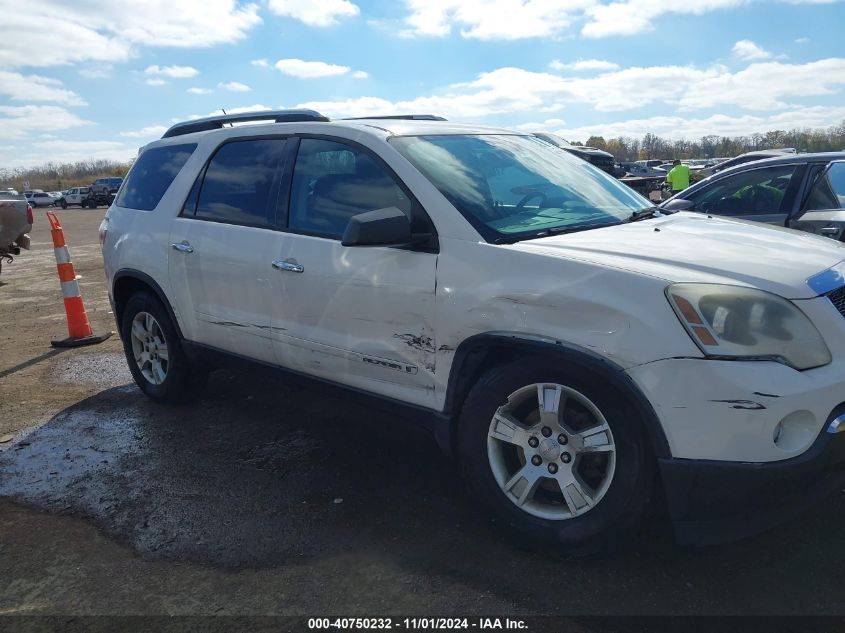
(754,192)
(239,183)
(332,182)
(152,174)
(829,190)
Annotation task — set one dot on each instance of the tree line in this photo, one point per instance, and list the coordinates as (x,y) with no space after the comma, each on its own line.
(61,176)
(625,148)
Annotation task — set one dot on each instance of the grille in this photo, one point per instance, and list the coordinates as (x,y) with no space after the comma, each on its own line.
(837,298)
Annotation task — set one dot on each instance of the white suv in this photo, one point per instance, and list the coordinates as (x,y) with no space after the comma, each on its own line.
(580,354)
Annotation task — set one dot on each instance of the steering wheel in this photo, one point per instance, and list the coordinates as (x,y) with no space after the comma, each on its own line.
(534,194)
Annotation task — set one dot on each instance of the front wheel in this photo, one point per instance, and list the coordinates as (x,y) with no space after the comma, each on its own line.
(154,352)
(64,204)
(556,455)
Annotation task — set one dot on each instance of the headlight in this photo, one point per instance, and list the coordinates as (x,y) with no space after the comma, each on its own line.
(738,322)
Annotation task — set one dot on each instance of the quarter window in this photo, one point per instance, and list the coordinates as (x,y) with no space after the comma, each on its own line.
(755,192)
(829,190)
(152,174)
(239,186)
(332,182)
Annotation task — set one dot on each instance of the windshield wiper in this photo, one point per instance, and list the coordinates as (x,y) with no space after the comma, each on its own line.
(558,230)
(642,214)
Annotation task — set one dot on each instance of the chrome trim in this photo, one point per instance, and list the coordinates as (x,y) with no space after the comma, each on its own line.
(827,280)
(182,247)
(838,425)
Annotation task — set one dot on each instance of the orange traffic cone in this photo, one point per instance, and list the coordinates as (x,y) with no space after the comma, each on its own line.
(78,328)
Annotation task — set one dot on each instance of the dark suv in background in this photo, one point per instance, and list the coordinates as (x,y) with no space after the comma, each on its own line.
(799,191)
(106,186)
(601,159)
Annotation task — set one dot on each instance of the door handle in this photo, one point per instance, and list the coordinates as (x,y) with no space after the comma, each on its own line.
(290,267)
(829,229)
(182,247)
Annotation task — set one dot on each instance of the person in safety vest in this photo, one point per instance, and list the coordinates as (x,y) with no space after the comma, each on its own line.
(678,177)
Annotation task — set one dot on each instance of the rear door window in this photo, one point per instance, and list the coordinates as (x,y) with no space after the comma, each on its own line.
(240,185)
(151,176)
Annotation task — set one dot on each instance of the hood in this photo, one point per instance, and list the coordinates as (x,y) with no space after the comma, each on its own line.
(691,247)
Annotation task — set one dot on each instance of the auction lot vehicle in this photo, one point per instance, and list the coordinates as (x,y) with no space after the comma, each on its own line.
(579,353)
(106,186)
(15,223)
(742,159)
(799,191)
(75,195)
(601,159)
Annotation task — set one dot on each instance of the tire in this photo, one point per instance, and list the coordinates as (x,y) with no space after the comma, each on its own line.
(172,379)
(596,445)
(64,204)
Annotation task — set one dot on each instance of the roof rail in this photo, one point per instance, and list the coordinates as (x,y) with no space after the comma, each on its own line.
(217,122)
(402,117)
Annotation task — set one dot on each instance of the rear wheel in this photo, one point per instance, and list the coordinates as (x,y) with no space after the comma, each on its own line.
(154,352)
(64,203)
(556,455)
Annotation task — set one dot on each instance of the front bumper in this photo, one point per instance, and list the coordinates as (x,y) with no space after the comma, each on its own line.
(714,501)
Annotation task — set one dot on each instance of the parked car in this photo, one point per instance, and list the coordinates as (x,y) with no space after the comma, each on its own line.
(748,157)
(41,199)
(559,335)
(75,196)
(106,186)
(601,159)
(643,171)
(799,191)
(15,224)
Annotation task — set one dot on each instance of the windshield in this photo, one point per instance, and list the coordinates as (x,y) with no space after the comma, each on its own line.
(514,187)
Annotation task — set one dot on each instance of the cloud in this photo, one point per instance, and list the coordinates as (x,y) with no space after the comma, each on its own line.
(584,64)
(102,71)
(321,14)
(150,132)
(491,19)
(310,70)
(802,40)
(199,91)
(261,63)
(748,50)
(359,74)
(68,151)
(677,127)
(507,90)
(113,31)
(174,72)
(36,88)
(234,86)
(21,121)
(156,82)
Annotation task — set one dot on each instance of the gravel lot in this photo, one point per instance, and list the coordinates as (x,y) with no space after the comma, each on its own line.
(264,499)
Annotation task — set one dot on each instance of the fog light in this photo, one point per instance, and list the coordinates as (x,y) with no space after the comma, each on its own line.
(796,431)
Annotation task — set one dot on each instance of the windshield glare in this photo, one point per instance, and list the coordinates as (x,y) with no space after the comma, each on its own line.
(513,186)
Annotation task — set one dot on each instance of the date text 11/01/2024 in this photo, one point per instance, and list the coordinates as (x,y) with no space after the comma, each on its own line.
(431,624)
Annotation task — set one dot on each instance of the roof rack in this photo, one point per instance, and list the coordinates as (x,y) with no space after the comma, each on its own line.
(402,117)
(217,122)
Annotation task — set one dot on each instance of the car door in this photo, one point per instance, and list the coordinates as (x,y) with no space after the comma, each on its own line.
(764,194)
(222,244)
(362,316)
(823,209)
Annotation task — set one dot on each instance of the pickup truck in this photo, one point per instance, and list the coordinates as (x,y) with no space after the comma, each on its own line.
(15,223)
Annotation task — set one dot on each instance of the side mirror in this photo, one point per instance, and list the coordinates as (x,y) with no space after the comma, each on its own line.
(679,204)
(382,227)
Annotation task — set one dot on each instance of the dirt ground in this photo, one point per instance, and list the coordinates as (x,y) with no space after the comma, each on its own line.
(264,499)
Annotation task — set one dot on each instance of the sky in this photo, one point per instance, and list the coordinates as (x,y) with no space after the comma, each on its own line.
(83,79)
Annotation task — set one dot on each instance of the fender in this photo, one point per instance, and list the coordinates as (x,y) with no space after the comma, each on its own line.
(145,279)
(472,352)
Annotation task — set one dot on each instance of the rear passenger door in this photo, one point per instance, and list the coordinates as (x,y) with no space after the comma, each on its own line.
(363,315)
(222,244)
(823,210)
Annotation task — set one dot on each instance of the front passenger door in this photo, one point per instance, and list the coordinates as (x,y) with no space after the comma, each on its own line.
(362,316)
